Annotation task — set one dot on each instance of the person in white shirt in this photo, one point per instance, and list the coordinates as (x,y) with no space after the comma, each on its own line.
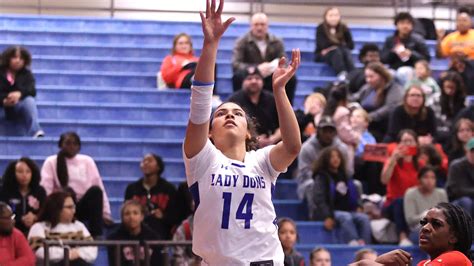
(231,183)
(56,222)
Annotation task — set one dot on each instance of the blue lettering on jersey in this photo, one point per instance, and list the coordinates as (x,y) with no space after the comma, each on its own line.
(219,180)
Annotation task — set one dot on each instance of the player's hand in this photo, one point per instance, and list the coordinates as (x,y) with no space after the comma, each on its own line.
(396,257)
(283,73)
(329,224)
(211,21)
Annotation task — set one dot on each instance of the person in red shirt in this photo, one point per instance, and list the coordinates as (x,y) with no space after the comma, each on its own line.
(14,249)
(178,68)
(399,174)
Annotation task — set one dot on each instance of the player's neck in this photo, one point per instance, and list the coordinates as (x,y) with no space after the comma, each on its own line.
(234,152)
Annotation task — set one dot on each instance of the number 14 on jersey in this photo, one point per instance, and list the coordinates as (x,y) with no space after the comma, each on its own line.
(244,211)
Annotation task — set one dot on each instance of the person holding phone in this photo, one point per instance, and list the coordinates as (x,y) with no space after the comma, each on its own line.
(400,172)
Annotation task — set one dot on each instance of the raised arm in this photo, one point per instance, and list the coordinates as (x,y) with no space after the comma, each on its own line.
(201,93)
(283,154)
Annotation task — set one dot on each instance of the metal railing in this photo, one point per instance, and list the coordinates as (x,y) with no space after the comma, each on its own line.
(117,244)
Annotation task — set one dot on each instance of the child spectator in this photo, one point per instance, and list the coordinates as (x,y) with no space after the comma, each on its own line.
(22,191)
(336,199)
(132,228)
(334,43)
(17,92)
(69,170)
(424,80)
(360,122)
(57,222)
(433,156)
(178,68)
(463,131)
(419,199)
(399,174)
(308,118)
(320,257)
(365,254)
(288,236)
(155,194)
(369,53)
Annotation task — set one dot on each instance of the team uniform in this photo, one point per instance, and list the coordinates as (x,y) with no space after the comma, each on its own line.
(235,220)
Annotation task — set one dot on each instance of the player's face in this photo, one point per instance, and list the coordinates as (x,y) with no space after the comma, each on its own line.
(229,119)
(435,234)
(287,235)
(132,217)
(322,258)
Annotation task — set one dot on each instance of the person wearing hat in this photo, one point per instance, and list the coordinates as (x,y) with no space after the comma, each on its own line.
(326,136)
(259,104)
(460,183)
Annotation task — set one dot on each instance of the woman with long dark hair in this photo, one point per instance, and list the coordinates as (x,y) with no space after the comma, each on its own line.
(69,170)
(22,191)
(463,132)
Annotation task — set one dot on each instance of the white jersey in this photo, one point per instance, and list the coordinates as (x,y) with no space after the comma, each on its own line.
(235,220)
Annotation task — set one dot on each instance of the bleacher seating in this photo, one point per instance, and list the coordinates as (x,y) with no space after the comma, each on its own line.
(98,76)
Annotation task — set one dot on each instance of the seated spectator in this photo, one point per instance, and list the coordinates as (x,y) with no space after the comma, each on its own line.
(184,203)
(399,174)
(334,43)
(259,104)
(178,68)
(326,136)
(335,199)
(57,222)
(404,48)
(359,120)
(308,118)
(69,170)
(418,200)
(14,249)
(262,50)
(460,41)
(155,194)
(22,191)
(460,184)
(431,155)
(424,80)
(369,53)
(365,254)
(465,68)
(463,132)
(378,97)
(320,257)
(412,114)
(450,103)
(132,228)
(288,235)
(17,92)
(467,112)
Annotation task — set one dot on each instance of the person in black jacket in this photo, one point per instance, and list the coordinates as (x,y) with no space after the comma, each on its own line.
(156,195)
(369,53)
(17,92)
(404,48)
(22,191)
(334,43)
(465,68)
(132,228)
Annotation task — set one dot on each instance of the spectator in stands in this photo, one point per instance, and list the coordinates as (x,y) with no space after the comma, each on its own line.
(57,222)
(365,254)
(22,191)
(359,120)
(17,92)
(259,104)
(326,136)
(308,118)
(155,194)
(460,41)
(132,228)
(467,112)
(404,48)
(14,249)
(288,235)
(178,68)
(184,202)
(424,80)
(336,199)
(450,103)
(465,68)
(418,200)
(334,43)
(379,97)
(69,170)
(259,49)
(320,257)
(369,53)
(400,173)
(412,114)
(460,184)
(430,155)
(463,132)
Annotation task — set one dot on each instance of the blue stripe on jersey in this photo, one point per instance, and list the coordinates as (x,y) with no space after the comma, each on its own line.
(194,189)
(272,189)
(238,165)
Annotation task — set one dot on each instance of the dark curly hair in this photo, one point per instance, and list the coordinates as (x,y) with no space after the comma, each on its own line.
(321,165)
(10,52)
(159,162)
(368,47)
(9,177)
